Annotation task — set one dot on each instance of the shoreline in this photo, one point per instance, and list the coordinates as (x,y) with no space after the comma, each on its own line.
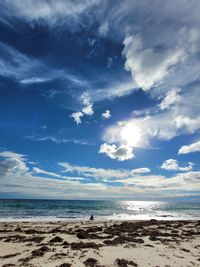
(97,220)
(100,243)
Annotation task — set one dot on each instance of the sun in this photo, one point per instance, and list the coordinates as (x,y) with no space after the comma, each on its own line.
(131,134)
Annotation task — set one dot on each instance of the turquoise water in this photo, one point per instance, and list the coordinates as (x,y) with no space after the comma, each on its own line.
(25,210)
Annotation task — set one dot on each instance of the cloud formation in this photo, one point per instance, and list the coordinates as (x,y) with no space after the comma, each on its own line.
(106,114)
(173,165)
(102,173)
(17,65)
(170,98)
(77,117)
(195,147)
(86,110)
(85,182)
(44,13)
(57,140)
(148,67)
(141,170)
(121,153)
(37,170)
(12,163)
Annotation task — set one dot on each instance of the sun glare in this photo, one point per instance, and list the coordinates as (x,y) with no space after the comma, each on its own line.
(131,134)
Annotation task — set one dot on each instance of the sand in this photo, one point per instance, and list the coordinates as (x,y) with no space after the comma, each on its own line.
(93,243)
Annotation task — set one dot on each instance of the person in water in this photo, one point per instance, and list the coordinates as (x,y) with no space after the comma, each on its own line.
(92,217)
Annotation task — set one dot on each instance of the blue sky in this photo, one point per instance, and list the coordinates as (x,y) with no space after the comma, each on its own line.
(99,99)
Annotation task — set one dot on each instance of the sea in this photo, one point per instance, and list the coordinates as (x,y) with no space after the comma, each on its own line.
(57,210)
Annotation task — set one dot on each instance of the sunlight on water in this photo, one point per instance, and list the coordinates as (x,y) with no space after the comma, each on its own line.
(141,205)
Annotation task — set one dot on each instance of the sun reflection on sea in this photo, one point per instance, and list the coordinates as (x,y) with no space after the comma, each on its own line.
(141,205)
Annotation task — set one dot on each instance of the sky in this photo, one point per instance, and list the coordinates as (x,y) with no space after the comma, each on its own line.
(100,99)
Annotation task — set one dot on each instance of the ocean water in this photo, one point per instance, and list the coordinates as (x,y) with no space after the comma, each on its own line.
(51,210)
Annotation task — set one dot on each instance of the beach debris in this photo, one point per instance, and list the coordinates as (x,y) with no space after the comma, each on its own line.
(124,263)
(20,238)
(56,239)
(18,229)
(58,256)
(36,239)
(82,235)
(9,256)
(153,238)
(81,245)
(185,250)
(91,233)
(55,230)
(31,231)
(175,231)
(40,251)
(25,260)
(65,244)
(149,245)
(91,262)
(8,265)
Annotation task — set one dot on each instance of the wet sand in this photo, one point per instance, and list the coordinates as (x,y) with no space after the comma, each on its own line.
(93,243)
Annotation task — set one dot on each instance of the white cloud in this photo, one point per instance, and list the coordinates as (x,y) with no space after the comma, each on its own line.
(37,170)
(101,184)
(85,99)
(180,184)
(106,114)
(17,65)
(154,185)
(57,140)
(86,110)
(77,117)
(43,12)
(97,173)
(170,60)
(10,154)
(122,87)
(104,174)
(29,70)
(195,147)
(12,162)
(141,170)
(148,67)
(44,187)
(37,80)
(191,125)
(121,153)
(16,178)
(173,165)
(87,104)
(44,138)
(170,98)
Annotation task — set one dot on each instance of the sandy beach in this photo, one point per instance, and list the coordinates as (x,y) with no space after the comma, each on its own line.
(107,243)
